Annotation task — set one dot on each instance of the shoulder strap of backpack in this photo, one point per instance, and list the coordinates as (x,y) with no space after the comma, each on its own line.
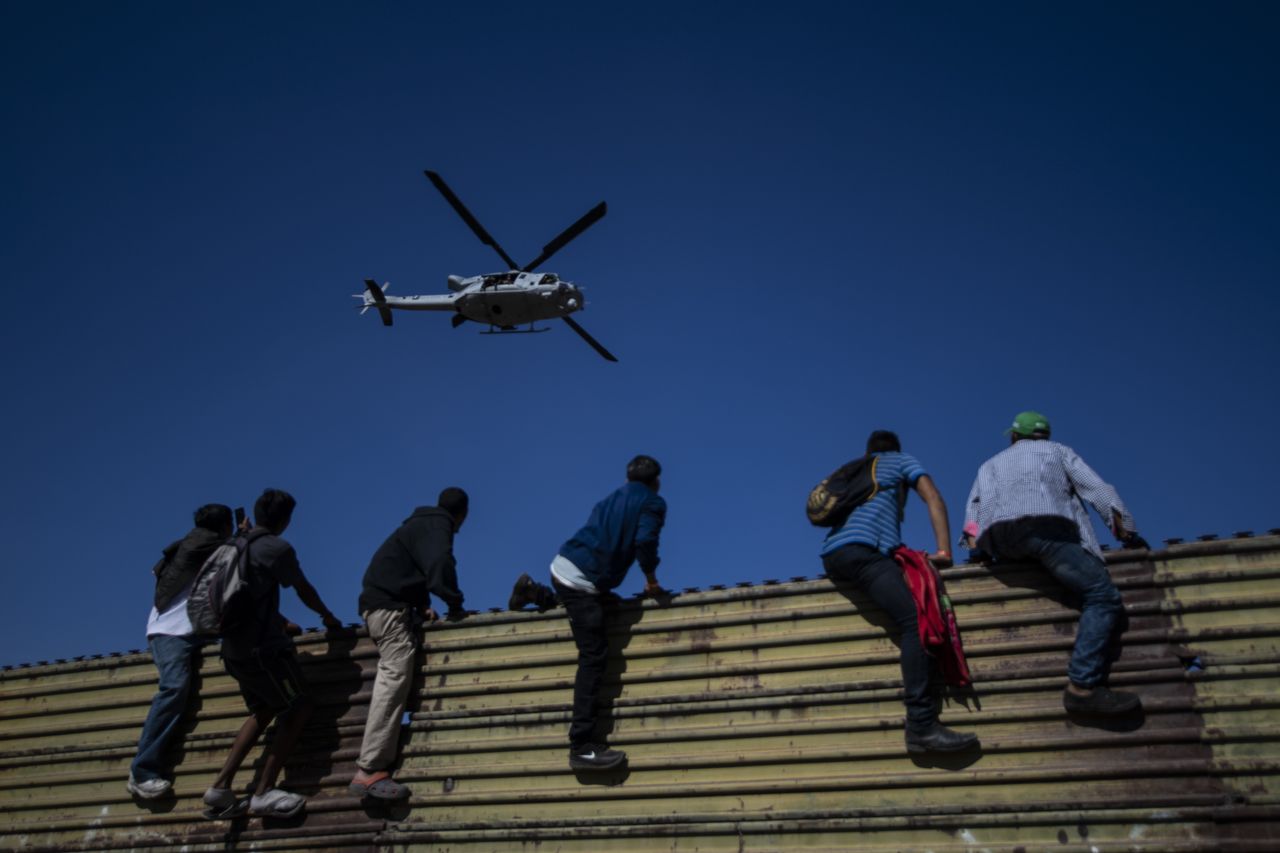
(249,538)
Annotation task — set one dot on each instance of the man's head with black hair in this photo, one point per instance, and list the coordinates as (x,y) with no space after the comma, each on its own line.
(644,469)
(454,501)
(274,510)
(883,441)
(215,518)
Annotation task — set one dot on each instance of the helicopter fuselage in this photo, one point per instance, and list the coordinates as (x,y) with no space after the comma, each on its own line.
(504,300)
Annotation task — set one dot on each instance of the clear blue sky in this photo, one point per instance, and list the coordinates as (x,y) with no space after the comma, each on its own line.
(824,218)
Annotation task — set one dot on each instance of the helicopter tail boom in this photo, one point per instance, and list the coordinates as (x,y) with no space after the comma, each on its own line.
(375,298)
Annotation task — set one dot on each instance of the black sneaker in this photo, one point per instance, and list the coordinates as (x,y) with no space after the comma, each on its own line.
(1101,702)
(521,593)
(939,738)
(595,756)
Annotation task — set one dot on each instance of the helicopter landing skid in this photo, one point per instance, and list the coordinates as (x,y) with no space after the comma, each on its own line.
(498,330)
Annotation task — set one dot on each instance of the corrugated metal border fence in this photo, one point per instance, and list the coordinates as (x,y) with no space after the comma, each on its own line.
(756,717)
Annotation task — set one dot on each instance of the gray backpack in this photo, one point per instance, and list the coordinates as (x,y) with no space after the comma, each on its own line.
(219,590)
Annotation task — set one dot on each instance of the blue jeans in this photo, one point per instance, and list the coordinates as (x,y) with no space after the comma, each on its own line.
(174,657)
(1100,604)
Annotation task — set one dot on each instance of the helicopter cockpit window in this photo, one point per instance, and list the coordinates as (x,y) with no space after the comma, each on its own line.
(549,278)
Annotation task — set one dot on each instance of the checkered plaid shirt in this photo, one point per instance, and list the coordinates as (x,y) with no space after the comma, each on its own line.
(1041,477)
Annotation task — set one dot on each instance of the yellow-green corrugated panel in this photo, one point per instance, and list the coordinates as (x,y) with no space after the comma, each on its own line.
(756,718)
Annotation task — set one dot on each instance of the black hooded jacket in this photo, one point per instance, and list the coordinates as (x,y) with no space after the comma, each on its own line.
(181,561)
(415,562)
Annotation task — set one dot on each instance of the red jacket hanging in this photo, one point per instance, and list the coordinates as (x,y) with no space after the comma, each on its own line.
(939,633)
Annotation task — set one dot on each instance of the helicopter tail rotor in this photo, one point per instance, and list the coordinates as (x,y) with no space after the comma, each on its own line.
(376,298)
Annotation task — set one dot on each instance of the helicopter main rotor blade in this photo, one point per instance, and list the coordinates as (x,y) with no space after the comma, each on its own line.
(595,345)
(379,301)
(461,209)
(588,219)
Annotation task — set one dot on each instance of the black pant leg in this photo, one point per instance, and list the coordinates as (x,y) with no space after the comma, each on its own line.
(587,621)
(880,577)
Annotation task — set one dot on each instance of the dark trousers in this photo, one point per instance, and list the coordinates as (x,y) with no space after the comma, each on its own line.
(587,621)
(881,578)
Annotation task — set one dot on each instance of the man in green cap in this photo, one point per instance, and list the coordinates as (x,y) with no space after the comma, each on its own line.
(1027,504)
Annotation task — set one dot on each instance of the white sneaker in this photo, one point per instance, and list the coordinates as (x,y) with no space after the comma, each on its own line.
(276,803)
(149,789)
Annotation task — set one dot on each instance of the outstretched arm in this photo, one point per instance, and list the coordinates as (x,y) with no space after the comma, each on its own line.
(432,552)
(307,595)
(446,585)
(652,517)
(937,517)
(969,533)
(1101,495)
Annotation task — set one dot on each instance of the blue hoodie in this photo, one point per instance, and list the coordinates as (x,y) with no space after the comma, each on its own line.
(622,528)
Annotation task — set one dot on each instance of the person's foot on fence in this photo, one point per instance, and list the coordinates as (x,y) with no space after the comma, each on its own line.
(521,593)
(377,785)
(1098,701)
(222,804)
(276,803)
(595,756)
(939,738)
(149,789)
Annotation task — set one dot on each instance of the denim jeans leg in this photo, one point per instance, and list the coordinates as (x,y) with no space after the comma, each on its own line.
(173,657)
(587,621)
(880,577)
(1101,606)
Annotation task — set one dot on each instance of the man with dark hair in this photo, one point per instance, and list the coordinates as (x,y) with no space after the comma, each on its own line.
(859,552)
(623,528)
(258,653)
(1027,503)
(174,648)
(414,562)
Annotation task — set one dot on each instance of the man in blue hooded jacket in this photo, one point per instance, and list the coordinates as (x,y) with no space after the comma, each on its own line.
(623,528)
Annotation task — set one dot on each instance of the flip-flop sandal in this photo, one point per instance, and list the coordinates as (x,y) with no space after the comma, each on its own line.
(385,788)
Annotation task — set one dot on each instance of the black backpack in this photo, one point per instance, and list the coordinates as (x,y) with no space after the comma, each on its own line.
(835,498)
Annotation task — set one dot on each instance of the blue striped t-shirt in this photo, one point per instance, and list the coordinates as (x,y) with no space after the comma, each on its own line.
(876,523)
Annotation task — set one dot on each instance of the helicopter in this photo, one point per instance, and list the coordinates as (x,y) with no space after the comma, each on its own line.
(503,300)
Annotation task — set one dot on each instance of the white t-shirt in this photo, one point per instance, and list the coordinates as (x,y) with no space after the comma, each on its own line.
(174,622)
(563,570)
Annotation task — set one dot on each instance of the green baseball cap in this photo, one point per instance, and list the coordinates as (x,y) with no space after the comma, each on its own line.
(1028,423)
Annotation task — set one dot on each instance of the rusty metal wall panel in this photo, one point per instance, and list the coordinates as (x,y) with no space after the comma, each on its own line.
(759,717)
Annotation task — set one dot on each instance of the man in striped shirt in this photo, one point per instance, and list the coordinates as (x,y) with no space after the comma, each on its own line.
(1027,503)
(859,552)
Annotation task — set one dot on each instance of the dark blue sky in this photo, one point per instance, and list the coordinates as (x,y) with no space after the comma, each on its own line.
(823,219)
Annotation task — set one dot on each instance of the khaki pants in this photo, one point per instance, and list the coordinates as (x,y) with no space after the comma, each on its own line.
(392,630)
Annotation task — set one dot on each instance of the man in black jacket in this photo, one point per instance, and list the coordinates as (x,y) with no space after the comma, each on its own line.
(174,648)
(415,561)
